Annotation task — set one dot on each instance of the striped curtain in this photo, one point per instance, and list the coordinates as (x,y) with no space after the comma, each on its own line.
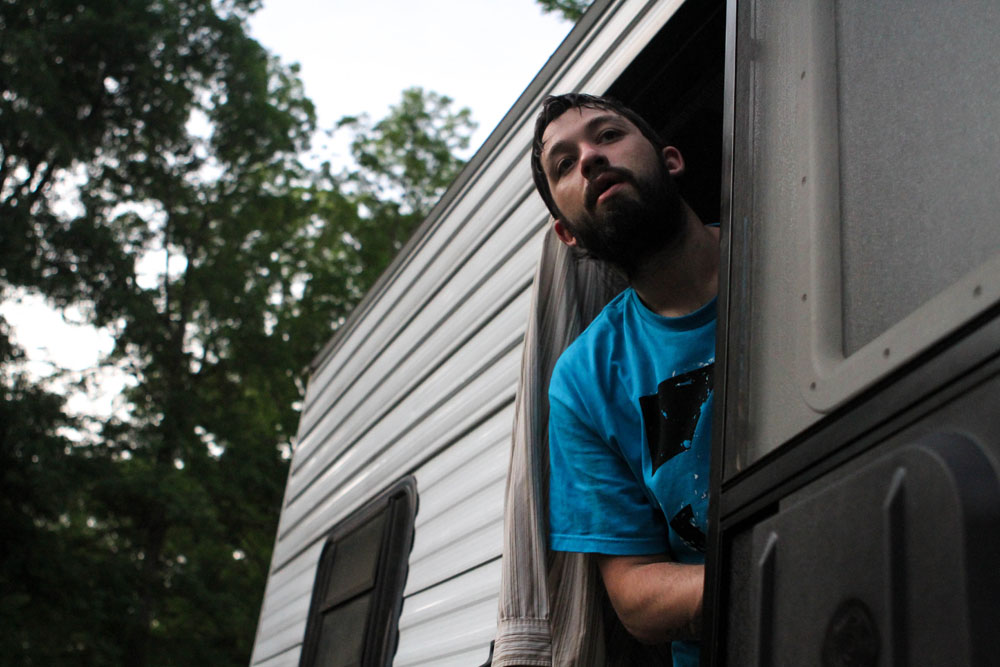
(553,609)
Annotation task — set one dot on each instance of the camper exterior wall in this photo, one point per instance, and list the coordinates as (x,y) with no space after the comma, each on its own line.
(421,380)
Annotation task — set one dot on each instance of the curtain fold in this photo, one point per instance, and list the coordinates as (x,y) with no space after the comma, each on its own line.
(552,608)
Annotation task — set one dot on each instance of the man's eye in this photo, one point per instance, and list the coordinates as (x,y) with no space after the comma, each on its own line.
(609,134)
(563,165)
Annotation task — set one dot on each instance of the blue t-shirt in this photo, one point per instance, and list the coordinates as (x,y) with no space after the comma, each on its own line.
(630,406)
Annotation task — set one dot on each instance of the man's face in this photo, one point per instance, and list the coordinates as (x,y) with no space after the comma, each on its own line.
(613,189)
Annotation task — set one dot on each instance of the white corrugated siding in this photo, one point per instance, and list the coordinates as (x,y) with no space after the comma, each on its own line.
(423,383)
(450,622)
(289,658)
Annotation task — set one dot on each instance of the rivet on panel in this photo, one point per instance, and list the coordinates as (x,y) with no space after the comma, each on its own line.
(885,353)
(977,290)
(852,636)
(812,385)
(803,297)
(803,180)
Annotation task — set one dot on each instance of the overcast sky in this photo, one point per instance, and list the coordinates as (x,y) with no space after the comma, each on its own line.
(356,57)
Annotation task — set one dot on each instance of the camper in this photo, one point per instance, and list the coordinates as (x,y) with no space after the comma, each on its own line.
(850,151)
(856,441)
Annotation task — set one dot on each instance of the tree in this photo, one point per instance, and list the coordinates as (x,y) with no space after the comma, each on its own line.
(403,163)
(49,559)
(111,86)
(182,137)
(571,10)
(183,511)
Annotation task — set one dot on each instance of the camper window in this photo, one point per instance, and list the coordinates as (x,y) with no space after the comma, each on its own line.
(359,583)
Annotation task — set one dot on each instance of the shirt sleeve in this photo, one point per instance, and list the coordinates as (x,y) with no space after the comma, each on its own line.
(596,503)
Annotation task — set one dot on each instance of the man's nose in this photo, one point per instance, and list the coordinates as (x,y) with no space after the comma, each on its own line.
(592,161)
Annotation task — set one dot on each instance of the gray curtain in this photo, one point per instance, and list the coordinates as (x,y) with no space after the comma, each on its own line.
(553,609)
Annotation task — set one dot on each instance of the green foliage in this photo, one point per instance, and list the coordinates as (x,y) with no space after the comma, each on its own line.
(148,542)
(404,162)
(571,10)
(109,85)
(37,511)
(409,156)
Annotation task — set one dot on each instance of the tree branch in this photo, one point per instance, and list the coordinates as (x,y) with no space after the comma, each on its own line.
(36,192)
(5,161)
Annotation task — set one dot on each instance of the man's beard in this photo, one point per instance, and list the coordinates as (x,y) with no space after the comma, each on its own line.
(626,231)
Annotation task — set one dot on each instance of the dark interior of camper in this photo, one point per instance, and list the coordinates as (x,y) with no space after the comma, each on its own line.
(677,83)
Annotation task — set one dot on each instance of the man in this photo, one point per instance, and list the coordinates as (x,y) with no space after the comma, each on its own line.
(630,400)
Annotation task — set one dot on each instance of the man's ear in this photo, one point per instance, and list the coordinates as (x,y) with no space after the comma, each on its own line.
(673,159)
(563,232)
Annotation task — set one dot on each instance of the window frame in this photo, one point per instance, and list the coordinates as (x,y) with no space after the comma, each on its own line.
(399,502)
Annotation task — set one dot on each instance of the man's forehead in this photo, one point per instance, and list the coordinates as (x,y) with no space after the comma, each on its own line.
(575,119)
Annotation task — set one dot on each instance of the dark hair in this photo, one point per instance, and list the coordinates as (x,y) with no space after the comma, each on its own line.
(556,105)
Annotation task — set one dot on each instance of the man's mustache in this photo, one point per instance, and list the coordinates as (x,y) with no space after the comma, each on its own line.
(602,181)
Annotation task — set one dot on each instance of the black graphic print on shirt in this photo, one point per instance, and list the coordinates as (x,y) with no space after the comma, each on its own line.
(684,525)
(671,414)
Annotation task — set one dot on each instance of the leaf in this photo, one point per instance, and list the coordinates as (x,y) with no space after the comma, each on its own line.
(571,10)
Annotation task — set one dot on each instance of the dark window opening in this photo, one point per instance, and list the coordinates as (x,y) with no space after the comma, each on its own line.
(358,591)
(677,84)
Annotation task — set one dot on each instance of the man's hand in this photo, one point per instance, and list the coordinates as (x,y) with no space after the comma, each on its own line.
(657,600)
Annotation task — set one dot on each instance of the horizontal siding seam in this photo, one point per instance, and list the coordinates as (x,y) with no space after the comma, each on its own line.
(518,340)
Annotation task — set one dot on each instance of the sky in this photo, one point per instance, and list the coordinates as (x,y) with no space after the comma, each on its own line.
(359,56)
(356,56)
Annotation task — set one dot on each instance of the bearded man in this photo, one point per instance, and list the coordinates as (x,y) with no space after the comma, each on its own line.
(631,399)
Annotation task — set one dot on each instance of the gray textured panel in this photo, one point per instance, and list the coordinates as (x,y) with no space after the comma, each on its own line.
(738,643)
(919,153)
(782,36)
(891,563)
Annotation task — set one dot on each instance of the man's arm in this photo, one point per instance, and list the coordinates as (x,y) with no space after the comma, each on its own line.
(657,600)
